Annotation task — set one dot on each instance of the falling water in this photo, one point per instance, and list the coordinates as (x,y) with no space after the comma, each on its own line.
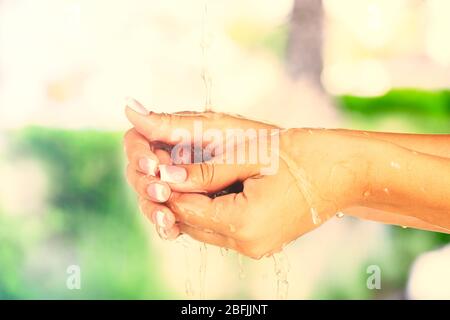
(304,186)
(202,269)
(281,264)
(205,45)
(187,248)
(241,266)
(223,251)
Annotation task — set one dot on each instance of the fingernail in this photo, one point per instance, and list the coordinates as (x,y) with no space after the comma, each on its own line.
(136,106)
(170,233)
(158,192)
(148,166)
(162,232)
(172,174)
(161,219)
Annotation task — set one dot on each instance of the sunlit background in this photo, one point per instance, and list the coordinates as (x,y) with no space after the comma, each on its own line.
(66,66)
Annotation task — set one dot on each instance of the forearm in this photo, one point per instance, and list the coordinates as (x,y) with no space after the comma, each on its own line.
(411,184)
(393,218)
(434,144)
(400,185)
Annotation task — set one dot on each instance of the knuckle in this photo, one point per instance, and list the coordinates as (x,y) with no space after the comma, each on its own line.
(143,204)
(129,174)
(125,140)
(128,134)
(207,172)
(141,184)
(166,120)
(136,155)
(146,207)
(251,250)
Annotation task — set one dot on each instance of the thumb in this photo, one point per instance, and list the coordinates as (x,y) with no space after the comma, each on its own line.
(206,176)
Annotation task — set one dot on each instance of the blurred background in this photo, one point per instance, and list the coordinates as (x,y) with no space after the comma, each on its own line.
(66,66)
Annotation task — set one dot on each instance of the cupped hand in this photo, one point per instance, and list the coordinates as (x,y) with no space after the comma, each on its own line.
(311,176)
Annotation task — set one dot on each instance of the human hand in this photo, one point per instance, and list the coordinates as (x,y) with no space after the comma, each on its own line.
(316,176)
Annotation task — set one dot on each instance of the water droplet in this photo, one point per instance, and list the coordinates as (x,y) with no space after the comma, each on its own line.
(232,228)
(223,251)
(340,215)
(395,165)
(404,227)
(315,216)
(366,194)
(386,190)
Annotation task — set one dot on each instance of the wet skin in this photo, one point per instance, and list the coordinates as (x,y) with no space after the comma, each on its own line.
(392,178)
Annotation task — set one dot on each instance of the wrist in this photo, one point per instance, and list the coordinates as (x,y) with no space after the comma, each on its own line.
(336,164)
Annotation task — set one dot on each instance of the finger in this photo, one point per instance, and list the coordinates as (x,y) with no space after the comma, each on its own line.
(148,187)
(169,173)
(223,215)
(205,177)
(207,237)
(199,177)
(140,154)
(172,128)
(158,214)
(163,156)
(161,217)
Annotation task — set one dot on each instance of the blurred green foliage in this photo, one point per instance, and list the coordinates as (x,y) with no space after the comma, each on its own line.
(92,221)
(414,110)
(394,256)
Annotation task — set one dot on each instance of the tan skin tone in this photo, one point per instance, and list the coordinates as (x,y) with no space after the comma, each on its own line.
(400,179)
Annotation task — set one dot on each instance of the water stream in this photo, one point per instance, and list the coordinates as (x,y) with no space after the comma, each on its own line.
(281,263)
